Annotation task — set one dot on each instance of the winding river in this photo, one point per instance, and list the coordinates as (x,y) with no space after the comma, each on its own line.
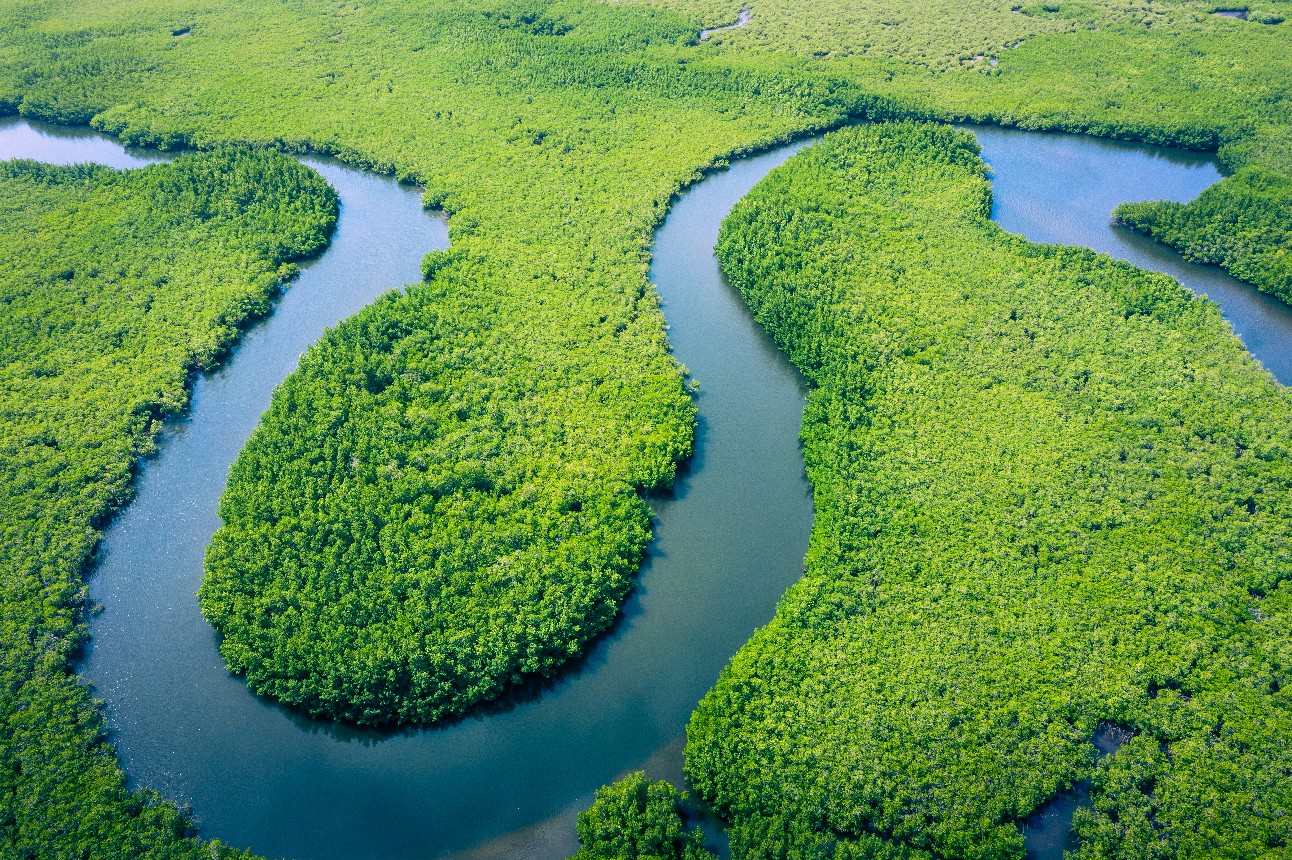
(729,540)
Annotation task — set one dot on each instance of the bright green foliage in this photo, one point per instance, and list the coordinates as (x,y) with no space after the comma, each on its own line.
(636,819)
(446,497)
(946,35)
(1051,490)
(1161,72)
(1244,225)
(425,515)
(116,286)
(554,134)
(936,34)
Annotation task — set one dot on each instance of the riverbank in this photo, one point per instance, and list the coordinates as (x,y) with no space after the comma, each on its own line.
(551,752)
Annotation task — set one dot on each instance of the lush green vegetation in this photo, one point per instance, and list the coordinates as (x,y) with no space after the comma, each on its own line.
(116,287)
(451,526)
(1162,72)
(507,414)
(555,137)
(1051,490)
(446,496)
(1244,225)
(636,819)
(547,383)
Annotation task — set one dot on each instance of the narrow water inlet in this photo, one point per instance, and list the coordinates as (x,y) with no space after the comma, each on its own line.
(1047,833)
(1060,188)
(729,540)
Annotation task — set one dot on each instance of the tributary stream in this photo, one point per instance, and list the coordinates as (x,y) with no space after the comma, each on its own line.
(730,539)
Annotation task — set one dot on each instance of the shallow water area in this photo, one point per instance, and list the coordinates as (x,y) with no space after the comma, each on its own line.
(509,781)
(742,21)
(1047,833)
(60,144)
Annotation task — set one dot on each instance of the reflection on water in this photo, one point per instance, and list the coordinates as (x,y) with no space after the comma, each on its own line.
(1062,188)
(510,780)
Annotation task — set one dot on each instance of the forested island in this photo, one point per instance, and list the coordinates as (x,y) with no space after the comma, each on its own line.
(1051,489)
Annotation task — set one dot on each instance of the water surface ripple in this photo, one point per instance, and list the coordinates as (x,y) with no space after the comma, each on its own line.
(729,540)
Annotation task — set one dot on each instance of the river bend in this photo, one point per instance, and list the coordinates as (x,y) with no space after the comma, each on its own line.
(729,540)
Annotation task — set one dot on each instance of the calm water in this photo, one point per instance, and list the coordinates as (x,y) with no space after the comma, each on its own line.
(1062,188)
(729,542)
(509,782)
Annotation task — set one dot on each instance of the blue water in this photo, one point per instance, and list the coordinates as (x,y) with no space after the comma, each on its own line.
(731,538)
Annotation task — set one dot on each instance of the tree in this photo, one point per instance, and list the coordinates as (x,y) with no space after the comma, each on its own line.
(636,819)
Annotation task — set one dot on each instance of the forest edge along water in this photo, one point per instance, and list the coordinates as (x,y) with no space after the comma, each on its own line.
(729,539)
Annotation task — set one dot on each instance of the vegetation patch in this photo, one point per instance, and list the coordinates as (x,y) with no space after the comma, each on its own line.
(636,819)
(1243,224)
(1051,490)
(425,517)
(116,287)
(527,387)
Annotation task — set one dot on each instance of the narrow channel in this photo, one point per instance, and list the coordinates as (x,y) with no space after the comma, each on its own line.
(729,540)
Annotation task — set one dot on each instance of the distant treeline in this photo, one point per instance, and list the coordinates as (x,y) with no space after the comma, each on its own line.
(1052,492)
(1158,72)
(116,287)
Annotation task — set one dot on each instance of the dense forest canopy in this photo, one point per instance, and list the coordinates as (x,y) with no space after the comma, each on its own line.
(1052,492)
(1243,224)
(116,287)
(636,819)
(488,434)
(1156,71)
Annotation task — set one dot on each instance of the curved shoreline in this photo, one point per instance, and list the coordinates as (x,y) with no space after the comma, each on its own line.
(742,20)
(259,775)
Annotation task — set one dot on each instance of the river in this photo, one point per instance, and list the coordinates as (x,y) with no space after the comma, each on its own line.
(729,539)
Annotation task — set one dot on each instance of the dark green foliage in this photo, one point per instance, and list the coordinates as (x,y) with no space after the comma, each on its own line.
(407,533)
(1051,489)
(636,819)
(115,287)
(1243,224)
